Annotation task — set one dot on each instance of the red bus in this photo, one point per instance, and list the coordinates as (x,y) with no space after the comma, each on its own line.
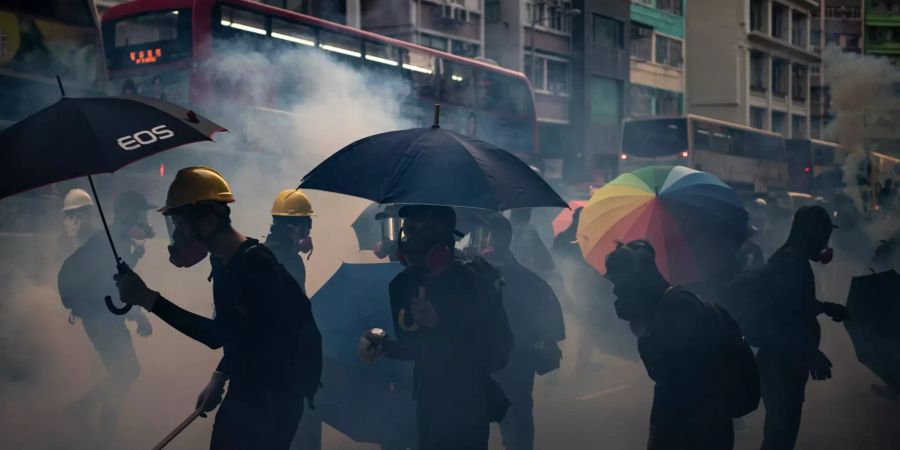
(162,47)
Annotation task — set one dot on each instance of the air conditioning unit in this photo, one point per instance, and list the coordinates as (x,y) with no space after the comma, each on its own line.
(454,13)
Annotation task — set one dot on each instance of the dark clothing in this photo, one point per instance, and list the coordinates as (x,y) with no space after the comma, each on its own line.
(784,361)
(287,252)
(681,344)
(535,318)
(264,323)
(750,255)
(84,279)
(453,361)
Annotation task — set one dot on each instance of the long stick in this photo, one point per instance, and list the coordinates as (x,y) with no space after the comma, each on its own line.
(103,218)
(184,424)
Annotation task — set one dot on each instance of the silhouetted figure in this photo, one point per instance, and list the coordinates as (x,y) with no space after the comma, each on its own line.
(449,320)
(535,318)
(681,342)
(288,237)
(78,211)
(790,353)
(527,244)
(272,347)
(84,280)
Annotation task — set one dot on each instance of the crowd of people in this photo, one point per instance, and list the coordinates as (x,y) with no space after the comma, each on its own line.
(477,323)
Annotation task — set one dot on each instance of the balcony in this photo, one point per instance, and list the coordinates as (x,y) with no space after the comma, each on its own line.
(759,88)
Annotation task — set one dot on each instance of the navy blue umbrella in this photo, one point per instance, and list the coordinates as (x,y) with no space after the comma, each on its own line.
(432,166)
(367,402)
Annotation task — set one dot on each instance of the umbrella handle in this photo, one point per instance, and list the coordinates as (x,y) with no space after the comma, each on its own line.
(119,311)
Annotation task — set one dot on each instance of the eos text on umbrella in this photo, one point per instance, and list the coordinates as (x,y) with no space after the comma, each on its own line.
(144,137)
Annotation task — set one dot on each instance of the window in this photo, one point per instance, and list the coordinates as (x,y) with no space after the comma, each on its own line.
(550,75)
(815,70)
(757,15)
(458,83)
(492,11)
(607,32)
(244,22)
(798,83)
(798,126)
(758,71)
(419,67)
(462,48)
(640,100)
(435,42)
(778,121)
(673,6)
(779,77)
(779,20)
(293,32)
(606,100)
(842,12)
(340,44)
(668,51)
(798,29)
(668,102)
(641,44)
(549,16)
(883,6)
(851,42)
(758,117)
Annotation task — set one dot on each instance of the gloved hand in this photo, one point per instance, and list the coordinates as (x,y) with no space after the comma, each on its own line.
(836,311)
(133,290)
(211,395)
(820,366)
(423,313)
(371,345)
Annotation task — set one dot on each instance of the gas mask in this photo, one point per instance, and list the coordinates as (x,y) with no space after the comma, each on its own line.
(419,244)
(141,232)
(825,256)
(306,246)
(72,224)
(185,250)
(632,270)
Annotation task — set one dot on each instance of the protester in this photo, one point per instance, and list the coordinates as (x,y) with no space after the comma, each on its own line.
(78,210)
(292,215)
(272,346)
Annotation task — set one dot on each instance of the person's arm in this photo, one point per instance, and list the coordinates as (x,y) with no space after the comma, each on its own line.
(404,346)
(199,328)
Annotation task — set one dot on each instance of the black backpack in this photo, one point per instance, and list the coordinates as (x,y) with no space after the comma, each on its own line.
(735,366)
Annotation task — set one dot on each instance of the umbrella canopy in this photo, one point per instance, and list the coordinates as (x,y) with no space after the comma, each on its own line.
(874,325)
(367,228)
(355,397)
(564,220)
(77,137)
(694,221)
(432,166)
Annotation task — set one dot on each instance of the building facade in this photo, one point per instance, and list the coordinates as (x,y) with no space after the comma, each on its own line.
(656,58)
(455,26)
(754,71)
(882,29)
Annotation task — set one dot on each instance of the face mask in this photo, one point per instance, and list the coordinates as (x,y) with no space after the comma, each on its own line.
(825,256)
(72,225)
(306,246)
(141,232)
(184,251)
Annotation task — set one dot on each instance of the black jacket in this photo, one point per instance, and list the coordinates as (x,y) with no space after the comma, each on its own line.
(288,254)
(262,320)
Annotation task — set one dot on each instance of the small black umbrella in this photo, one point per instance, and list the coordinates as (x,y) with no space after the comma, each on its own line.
(432,166)
(78,137)
(874,325)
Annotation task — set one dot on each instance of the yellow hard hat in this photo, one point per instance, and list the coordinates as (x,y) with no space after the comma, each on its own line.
(194,185)
(77,198)
(292,203)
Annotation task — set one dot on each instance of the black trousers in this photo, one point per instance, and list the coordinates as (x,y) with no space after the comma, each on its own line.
(715,433)
(257,420)
(783,382)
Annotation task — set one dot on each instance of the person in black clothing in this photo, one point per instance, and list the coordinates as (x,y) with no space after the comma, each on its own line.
(678,345)
(292,215)
(527,244)
(272,347)
(790,354)
(535,318)
(449,320)
(83,282)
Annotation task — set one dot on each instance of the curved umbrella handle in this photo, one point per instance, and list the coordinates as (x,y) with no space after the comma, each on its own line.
(119,311)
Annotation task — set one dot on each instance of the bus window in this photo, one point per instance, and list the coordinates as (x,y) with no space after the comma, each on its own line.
(655,138)
(149,39)
(294,33)
(503,94)
(420,68)
(238,22)
(721,141)
(702,139)
(382,55)
(823,155)
(458,84)
(340,44)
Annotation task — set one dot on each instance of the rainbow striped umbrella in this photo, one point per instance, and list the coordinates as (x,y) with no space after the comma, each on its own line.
(694,220)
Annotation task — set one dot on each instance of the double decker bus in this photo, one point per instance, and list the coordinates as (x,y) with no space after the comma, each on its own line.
(746,158)
(169,49)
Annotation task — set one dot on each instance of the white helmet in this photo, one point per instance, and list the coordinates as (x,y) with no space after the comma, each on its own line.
(77,198)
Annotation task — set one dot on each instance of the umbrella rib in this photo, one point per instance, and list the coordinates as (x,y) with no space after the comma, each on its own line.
(477,163)
(401,170)
(93,134)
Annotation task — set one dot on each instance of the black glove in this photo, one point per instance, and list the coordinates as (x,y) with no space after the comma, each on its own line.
(820,366)
(836,311)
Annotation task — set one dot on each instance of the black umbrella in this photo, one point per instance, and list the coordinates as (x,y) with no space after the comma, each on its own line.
(874,325)
(367,402)
(432,166)
(78,137)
